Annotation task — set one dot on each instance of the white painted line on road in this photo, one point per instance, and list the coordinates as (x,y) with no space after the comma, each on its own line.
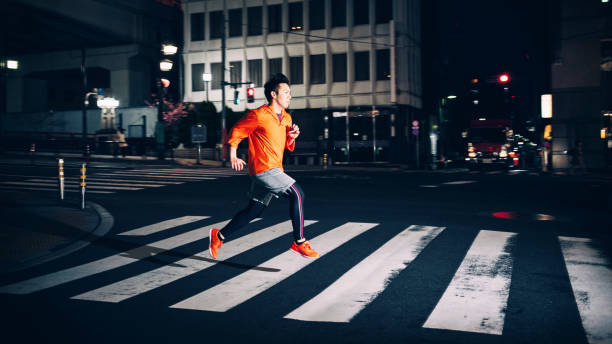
(17,188)
(147,281)
(144,177)
(105,264)
(186,172)
(460,182)
(163,225)
(590,275)
(359,286)
(51,183)
(243,287)
(90,182)
(475,300)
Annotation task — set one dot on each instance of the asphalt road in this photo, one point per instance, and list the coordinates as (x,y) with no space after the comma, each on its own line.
(407,257)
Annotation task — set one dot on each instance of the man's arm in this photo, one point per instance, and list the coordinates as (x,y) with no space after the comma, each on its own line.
(292,134)
(237,163)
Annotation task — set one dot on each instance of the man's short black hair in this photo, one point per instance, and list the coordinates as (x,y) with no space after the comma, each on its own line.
(272,85)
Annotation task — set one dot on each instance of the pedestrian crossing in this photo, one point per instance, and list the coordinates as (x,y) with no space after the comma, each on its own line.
(109,182)
(475,299)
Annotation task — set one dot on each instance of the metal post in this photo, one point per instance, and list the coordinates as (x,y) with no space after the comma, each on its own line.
(199,152)
(83,184)
(32,153)
(223,133)
(83,103)
(61,178)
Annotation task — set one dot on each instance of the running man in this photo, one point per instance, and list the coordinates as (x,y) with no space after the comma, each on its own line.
(270,130)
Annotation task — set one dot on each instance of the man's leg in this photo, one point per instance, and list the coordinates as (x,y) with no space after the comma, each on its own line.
(242,218)
(296,212)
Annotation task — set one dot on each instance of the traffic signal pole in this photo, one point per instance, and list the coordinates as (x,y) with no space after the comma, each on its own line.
(223,113)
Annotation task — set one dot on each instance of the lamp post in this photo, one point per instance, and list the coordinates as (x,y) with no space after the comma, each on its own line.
(165,65)
(5,66)
(206,77)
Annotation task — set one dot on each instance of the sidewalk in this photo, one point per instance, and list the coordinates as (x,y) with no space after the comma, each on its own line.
(38,230)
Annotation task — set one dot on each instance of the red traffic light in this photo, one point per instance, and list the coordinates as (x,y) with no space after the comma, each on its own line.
(250,94)
(503,78)
(165,83)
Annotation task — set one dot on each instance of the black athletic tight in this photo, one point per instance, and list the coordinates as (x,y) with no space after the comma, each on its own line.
(255,208)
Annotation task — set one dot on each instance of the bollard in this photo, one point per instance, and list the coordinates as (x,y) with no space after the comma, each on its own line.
(325,161)
(32,152)
(61,178)
(87,153)
(83,183)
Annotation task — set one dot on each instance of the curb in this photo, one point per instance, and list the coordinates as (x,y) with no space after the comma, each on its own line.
(106,222)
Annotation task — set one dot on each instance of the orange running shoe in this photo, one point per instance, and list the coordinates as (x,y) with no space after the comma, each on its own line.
(304,249)
(214,243)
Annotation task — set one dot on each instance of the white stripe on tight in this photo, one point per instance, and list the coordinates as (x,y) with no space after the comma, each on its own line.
(147,281)
(359,286)
(163,225)
(591,278)
(235,291)
(476,298)
(108,263)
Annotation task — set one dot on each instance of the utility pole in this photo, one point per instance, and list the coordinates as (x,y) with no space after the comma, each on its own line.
(223,131)
(84,102)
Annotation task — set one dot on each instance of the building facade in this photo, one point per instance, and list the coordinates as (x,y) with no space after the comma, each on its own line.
(354,68)
(581,82)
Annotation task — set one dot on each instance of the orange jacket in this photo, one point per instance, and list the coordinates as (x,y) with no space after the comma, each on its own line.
(268,138)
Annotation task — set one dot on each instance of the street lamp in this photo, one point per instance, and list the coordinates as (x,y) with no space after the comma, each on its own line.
(169,49)
(165,65)
(206,77)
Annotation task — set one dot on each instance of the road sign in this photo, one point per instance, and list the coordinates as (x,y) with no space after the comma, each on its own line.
(415,132)
(415,123)
(198,134)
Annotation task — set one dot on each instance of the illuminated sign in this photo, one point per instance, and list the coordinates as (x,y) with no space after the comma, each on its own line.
(547,106)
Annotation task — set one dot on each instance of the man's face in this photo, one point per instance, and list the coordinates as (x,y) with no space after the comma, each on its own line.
(282,95)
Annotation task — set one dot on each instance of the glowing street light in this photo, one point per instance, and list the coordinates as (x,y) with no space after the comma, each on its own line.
(169,49)
(165,65)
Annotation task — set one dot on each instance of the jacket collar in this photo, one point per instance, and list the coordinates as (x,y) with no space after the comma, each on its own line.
(270,110)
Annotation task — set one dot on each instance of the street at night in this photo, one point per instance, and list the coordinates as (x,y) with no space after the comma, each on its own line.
(440,256)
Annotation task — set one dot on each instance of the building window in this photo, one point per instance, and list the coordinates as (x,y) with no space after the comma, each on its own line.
(216,71)
(216,24)
(384,11)
(235,71)
(317,69)
(255,72)
(197,83)
(361,12)
(254,17)
(275,18)
(275,66)
(197,27)
(235,22)
(317,14)
(338,13)
(339,65)
(296,70)
(296,17)
(383,65)
(362,65)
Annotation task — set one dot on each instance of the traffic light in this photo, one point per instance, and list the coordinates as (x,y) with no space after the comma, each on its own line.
(236,97)
(165,83)
(503,78)
(250,94)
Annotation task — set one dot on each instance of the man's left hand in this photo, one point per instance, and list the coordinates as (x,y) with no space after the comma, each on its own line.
(294,132)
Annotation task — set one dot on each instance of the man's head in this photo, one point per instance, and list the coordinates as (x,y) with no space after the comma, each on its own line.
(277,89)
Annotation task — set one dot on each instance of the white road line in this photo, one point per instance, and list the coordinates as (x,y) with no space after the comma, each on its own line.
(359,286)
(460,182)
(17,188)
(243,287)
(147,281)
(591,279)
(185,172)
(144,177)
(476,298)
(68,186)
(105,264)
(163,225)
(90,182)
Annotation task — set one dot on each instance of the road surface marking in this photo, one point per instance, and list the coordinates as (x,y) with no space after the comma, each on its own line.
(243,287)
(476,298)
(90,182)
(105,264)
(359,286)
(144,177)
(150,280)
(591,279)
(52,183)
(163,225)
(16,188)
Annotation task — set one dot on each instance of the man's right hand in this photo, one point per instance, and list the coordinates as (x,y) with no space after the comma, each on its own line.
(237,163)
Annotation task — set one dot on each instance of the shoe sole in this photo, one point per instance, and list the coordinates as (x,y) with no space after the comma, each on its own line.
(303,255)
(210,244)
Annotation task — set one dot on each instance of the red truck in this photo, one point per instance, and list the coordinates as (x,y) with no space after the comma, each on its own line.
(490,143)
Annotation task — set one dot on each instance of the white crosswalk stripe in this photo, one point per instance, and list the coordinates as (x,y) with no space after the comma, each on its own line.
(243,287)
(359,286)
(142,283)
(590,275)
(163,225)
(108,263)
(476,298)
